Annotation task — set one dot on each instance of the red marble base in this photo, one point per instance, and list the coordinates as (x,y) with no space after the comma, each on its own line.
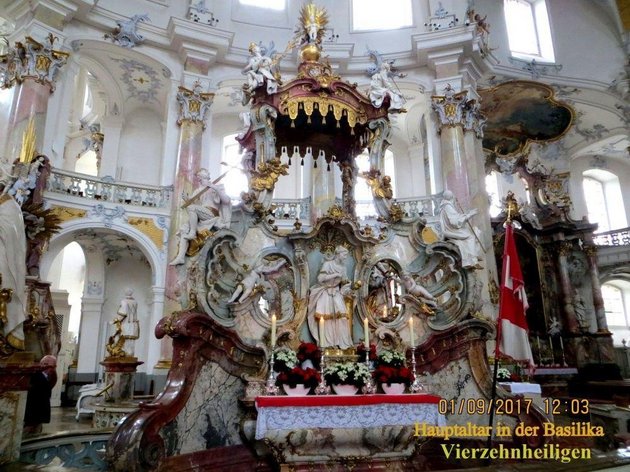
(17,377)
(225,459)
(121,364)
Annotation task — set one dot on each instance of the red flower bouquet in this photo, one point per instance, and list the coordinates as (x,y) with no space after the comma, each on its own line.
(388,375)
(309,377)
(361,352)
(309,352)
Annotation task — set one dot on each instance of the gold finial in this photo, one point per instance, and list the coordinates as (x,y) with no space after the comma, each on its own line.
(28,143)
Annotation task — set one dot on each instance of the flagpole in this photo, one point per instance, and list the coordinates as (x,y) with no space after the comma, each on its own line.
(511,208)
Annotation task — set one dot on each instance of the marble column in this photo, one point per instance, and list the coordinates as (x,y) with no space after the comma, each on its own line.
(157,355)
(450,109)
(598,300)
(193,107)
(568,310)
(34,80)
(89,354)
(323,189)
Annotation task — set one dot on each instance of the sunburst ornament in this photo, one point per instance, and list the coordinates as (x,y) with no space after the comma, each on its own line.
(314,21)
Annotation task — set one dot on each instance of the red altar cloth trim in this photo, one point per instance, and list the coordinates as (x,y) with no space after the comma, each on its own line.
(343,400)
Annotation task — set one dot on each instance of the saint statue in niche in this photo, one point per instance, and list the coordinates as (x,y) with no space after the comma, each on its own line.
(328,301)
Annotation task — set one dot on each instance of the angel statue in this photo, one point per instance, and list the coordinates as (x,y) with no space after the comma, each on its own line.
(246,287)
(260,69)
(382,84)
(313,24)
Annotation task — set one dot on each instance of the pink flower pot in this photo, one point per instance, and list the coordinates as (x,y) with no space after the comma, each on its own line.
(298,391)
(345,389)
(393,389)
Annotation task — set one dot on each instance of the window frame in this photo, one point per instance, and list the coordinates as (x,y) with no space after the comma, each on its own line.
(611,189)
(542,31)
(355,29)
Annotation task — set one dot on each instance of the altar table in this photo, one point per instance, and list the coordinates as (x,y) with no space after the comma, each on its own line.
(337,411)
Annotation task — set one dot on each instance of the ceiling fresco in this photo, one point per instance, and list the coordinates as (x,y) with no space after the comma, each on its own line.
(520,112)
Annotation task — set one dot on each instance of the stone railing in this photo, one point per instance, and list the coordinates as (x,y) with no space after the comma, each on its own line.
(287,210)
(616,237)
(75,450)
(107,189)
(420,206)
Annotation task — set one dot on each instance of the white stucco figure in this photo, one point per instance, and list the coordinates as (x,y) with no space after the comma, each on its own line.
(12,270)
(258,71)
(415,289)
(208,208)
(327,301)
(382,86)
(554,327)
(457,228)
(245,288)
(128,309)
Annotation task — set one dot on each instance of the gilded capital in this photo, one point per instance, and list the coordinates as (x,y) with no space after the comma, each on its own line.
(565,248)
(450,107)
(193,104)
(32,60)
(590,250)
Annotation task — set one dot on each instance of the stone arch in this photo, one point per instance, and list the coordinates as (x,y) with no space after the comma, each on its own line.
(155,257)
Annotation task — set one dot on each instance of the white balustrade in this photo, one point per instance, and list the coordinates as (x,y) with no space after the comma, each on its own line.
(107,189)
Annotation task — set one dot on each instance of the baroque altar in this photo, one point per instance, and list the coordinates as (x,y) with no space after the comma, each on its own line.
(244,283)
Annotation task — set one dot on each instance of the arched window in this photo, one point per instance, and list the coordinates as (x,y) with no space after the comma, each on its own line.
(372,15)
(235,180)
(362,192)
(616,295)
(529,33)
(604,201)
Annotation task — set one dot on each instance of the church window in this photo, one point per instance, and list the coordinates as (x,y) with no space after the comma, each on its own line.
(529,32)
(235,180)
(372,15)
(614,303)
(492,188)
(270,4)
(604,200)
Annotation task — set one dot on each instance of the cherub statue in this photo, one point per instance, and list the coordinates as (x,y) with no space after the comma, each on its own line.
(382,84)
(457,228)
(264,177)
(381,186)
(414,289)
(554,327)
(246,287)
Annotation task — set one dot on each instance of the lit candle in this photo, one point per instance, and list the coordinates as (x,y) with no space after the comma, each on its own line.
(366,332)
(273,330)
(321,331)
(411,334)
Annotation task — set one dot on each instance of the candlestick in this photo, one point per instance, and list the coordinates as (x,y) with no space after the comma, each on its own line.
(366,333)
(539,351)
(321,331)
(416,386)
(553,357)
(322,388)
(411,333)
(564,361)
(271,387)
(273,330)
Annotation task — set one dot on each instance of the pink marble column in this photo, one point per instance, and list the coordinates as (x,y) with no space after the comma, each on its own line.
(33,80)
(598,300)
(450,109)
(192,113)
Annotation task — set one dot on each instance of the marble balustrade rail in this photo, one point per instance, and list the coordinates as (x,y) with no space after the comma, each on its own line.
(107,189)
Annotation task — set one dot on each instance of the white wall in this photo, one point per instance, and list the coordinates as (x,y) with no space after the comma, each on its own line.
(140,155)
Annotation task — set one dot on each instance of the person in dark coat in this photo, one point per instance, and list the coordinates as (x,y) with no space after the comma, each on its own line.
(38,398)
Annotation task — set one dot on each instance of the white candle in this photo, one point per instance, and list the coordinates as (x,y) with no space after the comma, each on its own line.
(321,331)
(273,330)
(411,334)
(366,332)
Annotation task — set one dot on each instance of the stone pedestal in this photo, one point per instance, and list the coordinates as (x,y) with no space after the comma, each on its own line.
(120,373)
(14,383)
(118,396)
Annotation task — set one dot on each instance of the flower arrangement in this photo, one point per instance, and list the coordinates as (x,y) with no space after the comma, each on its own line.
(390,368)
(284,359)
(309,377)
(361,352)
(390,358)
(503,374)
(347,373)
(389,375)
(309,352)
